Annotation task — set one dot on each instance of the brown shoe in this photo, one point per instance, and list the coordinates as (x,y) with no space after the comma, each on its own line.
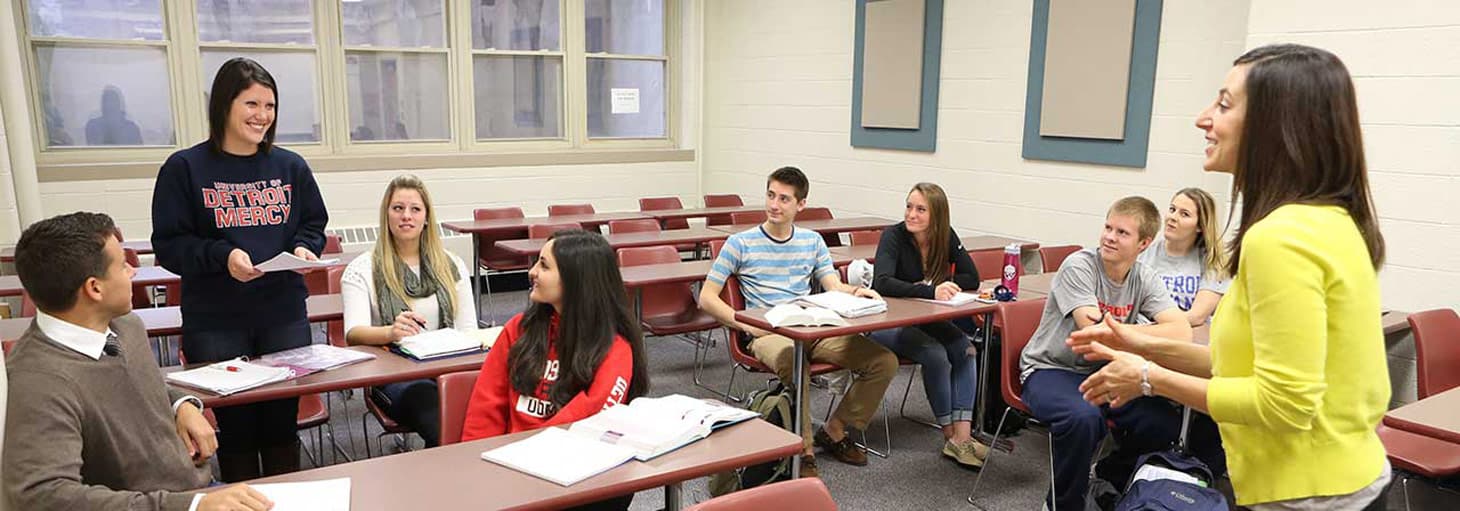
(843,450)
(808,466)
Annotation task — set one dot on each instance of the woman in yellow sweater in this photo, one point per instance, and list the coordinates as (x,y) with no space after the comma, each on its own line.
(1295,375)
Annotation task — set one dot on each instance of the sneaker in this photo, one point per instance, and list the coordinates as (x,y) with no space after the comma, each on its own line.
(969,453)
(843,450)
(808,466)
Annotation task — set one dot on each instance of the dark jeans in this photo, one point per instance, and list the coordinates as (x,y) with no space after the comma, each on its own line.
(1077,428)
(950,374)
(247,431)
(415,404)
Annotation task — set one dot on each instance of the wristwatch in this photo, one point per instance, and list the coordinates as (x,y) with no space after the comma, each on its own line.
(1146,380)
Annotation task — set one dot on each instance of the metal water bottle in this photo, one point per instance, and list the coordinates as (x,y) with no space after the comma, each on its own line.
(1013,268)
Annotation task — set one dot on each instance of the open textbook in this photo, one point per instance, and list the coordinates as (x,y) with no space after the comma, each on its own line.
(790,314)
(446,342)
(643,430)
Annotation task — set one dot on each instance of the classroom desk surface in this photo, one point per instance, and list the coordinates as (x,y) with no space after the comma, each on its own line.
(900,312)
(588,221)
(1030,286)
(672,214)
(7,254)
(693,234)
(386,368)
(1437,416)
(665,273)
(455,476)
(168,320)
(833,226)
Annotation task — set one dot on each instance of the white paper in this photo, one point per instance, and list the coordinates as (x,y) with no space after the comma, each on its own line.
(958,299)
(845,304)
(1157,473)
(625,101)
(287,261)
(326,495)
(559,456)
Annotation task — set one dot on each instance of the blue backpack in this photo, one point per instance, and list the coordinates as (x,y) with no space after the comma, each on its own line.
(1174,493)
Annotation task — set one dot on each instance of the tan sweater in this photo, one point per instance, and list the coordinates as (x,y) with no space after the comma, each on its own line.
(93,434)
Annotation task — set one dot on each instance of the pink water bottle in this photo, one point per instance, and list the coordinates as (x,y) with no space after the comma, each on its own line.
(1013,268)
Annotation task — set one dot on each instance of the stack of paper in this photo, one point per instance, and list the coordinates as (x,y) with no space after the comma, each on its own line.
(287,261)
(846,305)
(230,376)
(326,495)
(316,357)
(559,456)
(957,300)
(443,342)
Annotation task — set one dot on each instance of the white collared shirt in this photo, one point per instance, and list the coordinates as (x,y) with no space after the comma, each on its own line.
(78,338)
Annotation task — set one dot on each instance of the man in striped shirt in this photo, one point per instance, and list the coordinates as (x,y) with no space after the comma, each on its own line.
(775,263)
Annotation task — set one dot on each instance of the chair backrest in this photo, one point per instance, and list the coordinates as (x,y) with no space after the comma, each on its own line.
(140,297)
(663,203)
(1020,320)
(1053,257)
(495,213)
(866,237)
(133,259)
(747,217)
(814,214)
(27,306)
(332,245)
(723,200)
(989,263)
(335,330)
(455,392)
(1437,350)
(675,299)
(634,225)
(542,231)
(805,494)
(639,256)
(487,243)
(570,209)
(715,246)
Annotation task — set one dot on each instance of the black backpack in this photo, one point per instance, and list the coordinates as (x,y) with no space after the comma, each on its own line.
(774,406)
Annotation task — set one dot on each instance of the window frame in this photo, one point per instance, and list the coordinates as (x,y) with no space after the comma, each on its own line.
(335,151)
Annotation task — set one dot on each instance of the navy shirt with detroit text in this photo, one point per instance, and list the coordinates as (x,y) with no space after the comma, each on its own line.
(207,203)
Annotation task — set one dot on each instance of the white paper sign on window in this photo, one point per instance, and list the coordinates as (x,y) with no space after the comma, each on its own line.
(625,101)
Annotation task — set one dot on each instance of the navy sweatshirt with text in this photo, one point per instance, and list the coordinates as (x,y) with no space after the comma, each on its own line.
(207,203)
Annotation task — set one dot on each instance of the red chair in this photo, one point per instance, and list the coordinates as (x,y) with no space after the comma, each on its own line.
(7,346)
(1437,351)
(27,306)
(1020,320)
(1053,257)
(455,396)
(721,201)
(989,263)
(634,225)
(570,209)
(494,259)
(747,217)
(805,494)
(739,346)
(335,330)
(670,309)
(332,245)
(866,237)
(542,231)
(809,214)
(661,204)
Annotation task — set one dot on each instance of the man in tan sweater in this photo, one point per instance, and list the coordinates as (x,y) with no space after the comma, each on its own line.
(90,424)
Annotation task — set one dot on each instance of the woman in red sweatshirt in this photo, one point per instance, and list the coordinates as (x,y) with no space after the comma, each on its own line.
(574,352)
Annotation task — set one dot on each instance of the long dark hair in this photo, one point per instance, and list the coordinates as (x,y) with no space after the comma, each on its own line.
(233,77)
(595,308)
(1301,142)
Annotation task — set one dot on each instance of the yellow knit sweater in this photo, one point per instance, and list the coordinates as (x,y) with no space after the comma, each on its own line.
(1300,379)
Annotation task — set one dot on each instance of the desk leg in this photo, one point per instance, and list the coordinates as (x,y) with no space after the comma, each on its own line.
(673,500)
(983,366)
(476,277)
(639,304)
(797,366)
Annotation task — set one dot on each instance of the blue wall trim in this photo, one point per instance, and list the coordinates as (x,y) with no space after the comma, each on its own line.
(925,138)
(1130,152)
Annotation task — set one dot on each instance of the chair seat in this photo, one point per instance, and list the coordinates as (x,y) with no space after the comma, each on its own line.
(1419,454)
(693,320)
(512,264)
(312,412)
(387,424)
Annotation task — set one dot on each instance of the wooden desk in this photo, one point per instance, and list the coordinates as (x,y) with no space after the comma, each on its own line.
(693,234)
(386,368)
(833,226)
(7,254)
(975,243)
(1030,286)
(900,312)
(455,476)
(168,320)
(1436,416)
(674,214)
(665,273)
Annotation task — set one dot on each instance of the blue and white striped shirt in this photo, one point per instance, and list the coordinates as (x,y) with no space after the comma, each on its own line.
(771,271)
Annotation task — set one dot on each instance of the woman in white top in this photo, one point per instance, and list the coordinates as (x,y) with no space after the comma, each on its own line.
(408,284)
(1189,256)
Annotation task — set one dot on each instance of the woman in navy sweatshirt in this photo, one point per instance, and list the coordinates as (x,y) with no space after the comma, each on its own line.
(218,208)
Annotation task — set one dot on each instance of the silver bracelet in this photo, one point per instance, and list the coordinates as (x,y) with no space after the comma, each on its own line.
(1146,389)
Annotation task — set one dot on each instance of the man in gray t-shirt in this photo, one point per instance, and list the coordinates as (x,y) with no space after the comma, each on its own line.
(1091,284)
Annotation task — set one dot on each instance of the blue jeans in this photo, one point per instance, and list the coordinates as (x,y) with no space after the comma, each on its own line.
(950,374)
(1077,427)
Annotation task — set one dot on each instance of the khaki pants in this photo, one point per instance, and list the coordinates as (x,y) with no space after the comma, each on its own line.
(872,365)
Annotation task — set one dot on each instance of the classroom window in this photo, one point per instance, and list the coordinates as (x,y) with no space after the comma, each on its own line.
(279,35)
(100,70)
(517,69)
(625,45)
(395,69)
